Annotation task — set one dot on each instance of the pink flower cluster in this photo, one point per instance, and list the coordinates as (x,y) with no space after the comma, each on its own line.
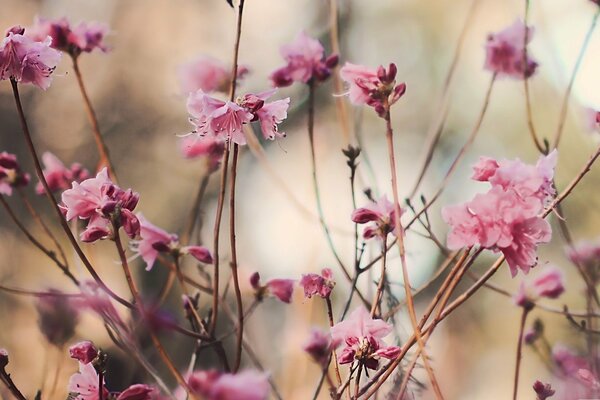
(58,176)
(374,87)
(214,385)
(306,62)
(11,175)
(505,52)
(25,60)
(506,218)
(223,120)
(82,38)
(154,240)
(318,285)
(207,74)
(103,204)
(362,337)
(548,284)
(380,214)
(282,289)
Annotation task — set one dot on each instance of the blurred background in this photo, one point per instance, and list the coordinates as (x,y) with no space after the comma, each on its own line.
(141,110)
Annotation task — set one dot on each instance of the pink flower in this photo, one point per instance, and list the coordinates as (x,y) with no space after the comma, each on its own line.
(505,52)
(84,352)
(200,253)
(84,384)
(306,60)
(319,346)
(374,87)
(362,337)
(137,392)
(58,176)
(381,213)
(101,202)
(153,240)
(11,175)
(543,390)
(586,253)
(548,284)
(567,361)
(26,60)
(245,385)
(57,317)
(318,285)
(592,119)
(207,74)
(279,288)
(210,148)
(84,37)
(270,114)
(485,168)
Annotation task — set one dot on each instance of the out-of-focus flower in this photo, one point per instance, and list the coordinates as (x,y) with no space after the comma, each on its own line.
(84,352)
(306,62)
(319,346)
(362,337)
(374,87)
(137,392)
(318,285)
(587,254)
(101,202)
(381,214)
(96,300)
(279,288)
(200,253)
(207,74)
(83,385)
(11,175)
(548,284)
(82,38)
(532,334)
(506,218)
(210,148)
(57,317)
(591,118)
(58,176)
(505,52)
(245,385)
(543,390)
(25,60)
(573,380)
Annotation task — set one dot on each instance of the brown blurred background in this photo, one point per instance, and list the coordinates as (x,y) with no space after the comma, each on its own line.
(141,110)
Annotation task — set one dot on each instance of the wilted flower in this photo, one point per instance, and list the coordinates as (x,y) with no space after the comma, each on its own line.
(58,176)
(25,60)
(505,52)
(11,175)
(362,337)
(318,285)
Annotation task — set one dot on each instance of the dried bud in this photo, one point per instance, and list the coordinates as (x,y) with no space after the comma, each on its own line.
(543,390)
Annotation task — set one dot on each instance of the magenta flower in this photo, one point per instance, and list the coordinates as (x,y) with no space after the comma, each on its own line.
(57,317)
(207,74)
(84,352)
(245,385)
(505,52)
(306,61)
(319,346)
(210,148)
(83,385)
(101,202)
(279,288)
(137,392)
(381,214)
(374,87)
(318,285)
(58,176)
(84,37)
(543,390)
(27,61)
(11,175)
(548,284)
(362,337)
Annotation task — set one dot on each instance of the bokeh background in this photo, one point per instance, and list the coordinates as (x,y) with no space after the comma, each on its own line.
(141,110)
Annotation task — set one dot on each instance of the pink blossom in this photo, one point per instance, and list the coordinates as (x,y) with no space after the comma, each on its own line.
(306,60)
(153,240)
(374,87)
(592,119)
(200,253)
(58,176)
(245,385)
(101,202)
(27,61)
(586,252)
(210,148)
(362,337)
(279,288)
(318,285)
(567,361)
(207,74)
(548,284)
(84,384)
(505,52)
(381,214)
(11,175)
(543,390)
(84,37)
(270,114)
(485,168)
(84,352)
(319,346)
(137,392)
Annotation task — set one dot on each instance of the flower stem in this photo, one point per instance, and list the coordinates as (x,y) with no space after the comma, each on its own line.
(333,352)
(377,298)
(195,210)
(519,351)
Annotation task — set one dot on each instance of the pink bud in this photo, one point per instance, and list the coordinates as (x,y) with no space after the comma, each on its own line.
(16,30)
(332,60)
(543,390)
(200,253)
(255,280)
(391,74)
(137,392)
(84,352)
(281,288)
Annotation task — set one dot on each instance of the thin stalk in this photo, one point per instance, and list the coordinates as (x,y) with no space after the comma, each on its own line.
(91,114)
(342,111)
(333,352)
(381,283)
(195,210)
(7,380)
(519,351)
(101,385)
